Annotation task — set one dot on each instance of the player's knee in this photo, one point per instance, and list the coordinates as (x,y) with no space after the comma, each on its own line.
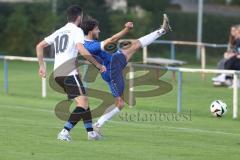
(82,101)
(120,103)
(136,45)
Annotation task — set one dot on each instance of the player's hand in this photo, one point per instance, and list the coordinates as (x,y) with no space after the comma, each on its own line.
(102,69)
(42,72)
(129,25)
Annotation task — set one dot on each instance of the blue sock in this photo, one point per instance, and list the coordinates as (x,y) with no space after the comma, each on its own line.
(68,126)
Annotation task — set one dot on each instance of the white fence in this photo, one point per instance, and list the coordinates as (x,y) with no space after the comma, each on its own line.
(132,66)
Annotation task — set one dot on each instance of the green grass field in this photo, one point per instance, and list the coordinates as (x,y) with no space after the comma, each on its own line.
(28,125)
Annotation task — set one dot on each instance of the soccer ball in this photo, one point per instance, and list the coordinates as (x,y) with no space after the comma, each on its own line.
(218,108)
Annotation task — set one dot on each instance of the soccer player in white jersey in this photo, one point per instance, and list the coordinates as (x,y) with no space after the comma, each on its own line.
(68,41)
(117,61)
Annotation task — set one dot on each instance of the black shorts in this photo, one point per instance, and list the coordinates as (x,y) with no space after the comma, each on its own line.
(72,85)
(232,63)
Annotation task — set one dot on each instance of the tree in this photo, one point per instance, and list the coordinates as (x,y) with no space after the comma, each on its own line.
(97,9)
(154,6)
(16,33)
(25,26)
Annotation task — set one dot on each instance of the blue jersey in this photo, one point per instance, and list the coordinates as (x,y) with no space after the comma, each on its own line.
(94,47)
(115,63)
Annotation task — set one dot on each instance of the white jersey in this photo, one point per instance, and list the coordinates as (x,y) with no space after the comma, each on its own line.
(65,40)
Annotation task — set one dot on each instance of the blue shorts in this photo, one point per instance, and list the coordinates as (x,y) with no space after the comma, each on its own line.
(114,76)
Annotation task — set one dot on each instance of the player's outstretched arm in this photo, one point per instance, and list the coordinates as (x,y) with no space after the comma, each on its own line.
(84,52)
(128,26)
(39,50)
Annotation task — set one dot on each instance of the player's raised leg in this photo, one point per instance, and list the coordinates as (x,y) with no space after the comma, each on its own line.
(147,39)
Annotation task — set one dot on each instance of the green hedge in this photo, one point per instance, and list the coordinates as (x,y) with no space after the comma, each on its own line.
(23,25)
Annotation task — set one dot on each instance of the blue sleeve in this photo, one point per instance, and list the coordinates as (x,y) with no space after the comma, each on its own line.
(95,47)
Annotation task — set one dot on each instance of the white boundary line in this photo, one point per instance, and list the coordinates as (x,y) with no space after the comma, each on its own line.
(179,129)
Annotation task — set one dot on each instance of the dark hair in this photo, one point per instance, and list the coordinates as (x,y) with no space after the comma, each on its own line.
(73,12)
(88,25)
(232,39)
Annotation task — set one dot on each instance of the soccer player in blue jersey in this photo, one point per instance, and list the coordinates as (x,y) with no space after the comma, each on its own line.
(116,62)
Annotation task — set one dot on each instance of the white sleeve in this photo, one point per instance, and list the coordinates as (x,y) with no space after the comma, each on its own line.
(50,39)
(102,46)
(78,36)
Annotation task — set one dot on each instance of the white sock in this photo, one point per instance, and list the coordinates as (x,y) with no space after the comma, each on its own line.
(150,38)
(107,116)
